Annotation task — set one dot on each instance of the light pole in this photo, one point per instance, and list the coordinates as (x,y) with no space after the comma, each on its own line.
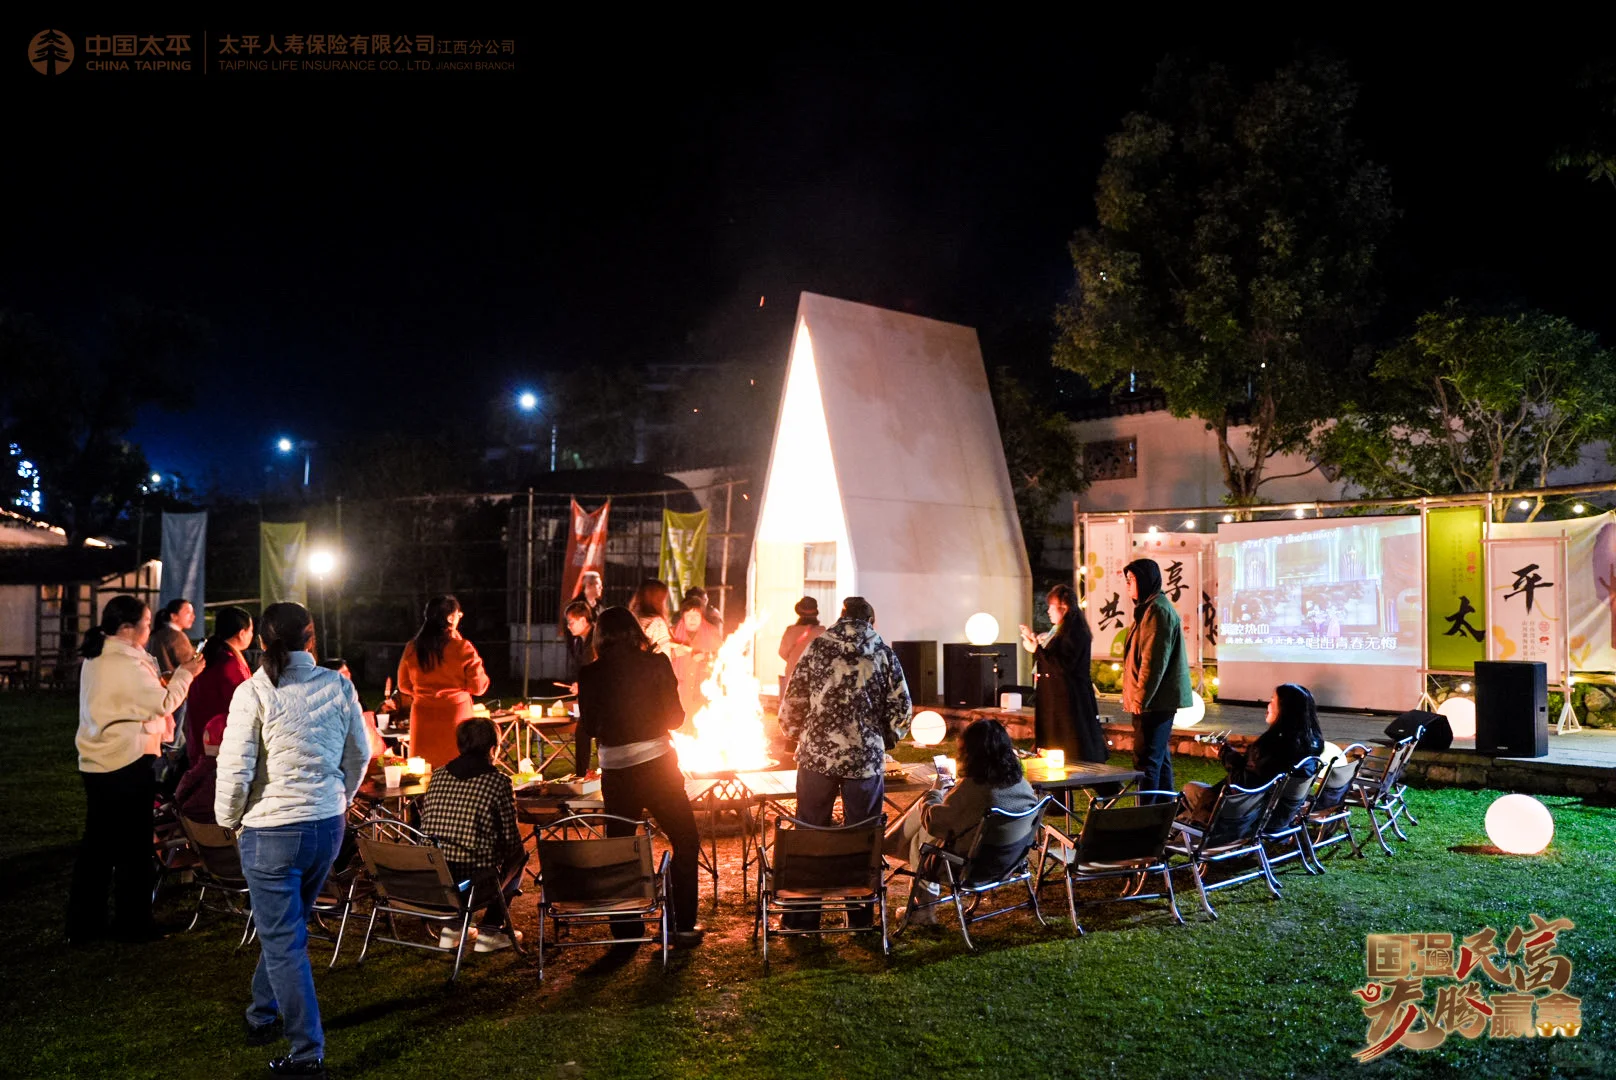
(321,562)
(286,446)
(528,402)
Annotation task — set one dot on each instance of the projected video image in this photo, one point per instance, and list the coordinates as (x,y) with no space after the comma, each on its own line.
(1337,594)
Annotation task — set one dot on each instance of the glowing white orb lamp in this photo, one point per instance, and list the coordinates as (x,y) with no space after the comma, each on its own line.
(1191,714)
(1519,824)
(1461,714)
(929,728)
(981,629)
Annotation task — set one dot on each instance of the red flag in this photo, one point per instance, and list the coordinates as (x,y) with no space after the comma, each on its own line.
(586,550)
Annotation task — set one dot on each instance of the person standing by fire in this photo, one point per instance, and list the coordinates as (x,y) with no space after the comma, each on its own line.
(847,703)
(697,633)
(441,672)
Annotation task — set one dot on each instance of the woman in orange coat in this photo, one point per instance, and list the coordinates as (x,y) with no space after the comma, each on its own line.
(442,672)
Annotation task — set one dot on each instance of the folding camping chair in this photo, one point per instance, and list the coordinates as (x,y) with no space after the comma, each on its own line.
(1234,831)
(592,880)
(817,869)
(1118,841)
(218,869)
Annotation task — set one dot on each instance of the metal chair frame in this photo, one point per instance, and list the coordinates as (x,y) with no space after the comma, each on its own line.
(226,877)
(1380,790)
(955,874)
(1096,856)
(657,877)
(455,903)
(1198,853)
(1330,808)
(1300,785)
(778,860)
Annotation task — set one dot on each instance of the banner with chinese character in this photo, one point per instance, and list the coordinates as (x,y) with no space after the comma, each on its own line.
(282,566)
(684,551)
(1526,593)
(1590,588)
(1185,586)
(586,550)
(184,554)
(1107,549)
(1455,600)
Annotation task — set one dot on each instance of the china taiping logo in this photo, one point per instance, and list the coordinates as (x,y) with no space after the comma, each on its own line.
(51,52)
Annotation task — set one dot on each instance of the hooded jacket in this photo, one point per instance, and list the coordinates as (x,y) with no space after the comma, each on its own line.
(846,698)
(1155,665)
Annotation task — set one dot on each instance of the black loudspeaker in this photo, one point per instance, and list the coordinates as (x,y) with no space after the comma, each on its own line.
(973,674)
(1438,732)
(919,662)
(1512,708)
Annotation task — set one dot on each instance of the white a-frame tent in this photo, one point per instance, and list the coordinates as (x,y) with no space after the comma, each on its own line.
(887,480)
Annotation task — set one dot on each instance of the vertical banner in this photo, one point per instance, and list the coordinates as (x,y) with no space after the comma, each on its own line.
(184,554)
(586,550)
(282,567)
(1455,601)
(684,551)
(1108,547)
(1526,598)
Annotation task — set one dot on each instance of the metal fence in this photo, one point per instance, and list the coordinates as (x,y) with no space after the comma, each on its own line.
(395,554)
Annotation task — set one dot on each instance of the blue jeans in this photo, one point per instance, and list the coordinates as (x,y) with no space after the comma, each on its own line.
(1153,749)
(816,803)
(285,868)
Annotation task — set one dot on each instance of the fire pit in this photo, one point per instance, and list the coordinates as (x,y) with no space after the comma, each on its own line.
(729,736)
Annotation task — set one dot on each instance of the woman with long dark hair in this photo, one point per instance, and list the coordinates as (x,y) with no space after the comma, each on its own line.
(227,669)
(1067,716)
(1293,734)
(442,672)
(294,753)
(990,775)
(125,714)
(628,701)
(650,607)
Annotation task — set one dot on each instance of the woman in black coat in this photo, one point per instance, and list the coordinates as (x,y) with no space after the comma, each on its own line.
(1293,734)
(1067,715)
(628,702)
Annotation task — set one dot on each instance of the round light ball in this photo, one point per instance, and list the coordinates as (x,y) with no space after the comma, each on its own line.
(1519,824)
(1191,714)
(981,629)
(1461,714)
(929,728)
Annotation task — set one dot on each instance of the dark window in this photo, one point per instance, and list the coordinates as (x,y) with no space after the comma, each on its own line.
(1111,459)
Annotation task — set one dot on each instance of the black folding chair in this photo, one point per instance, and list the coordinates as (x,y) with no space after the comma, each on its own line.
(1329,820)
(586,879)
(999,856)
(1234,831)
(412,877)
(1124,837)
(1379,789)
(218,870)
(819,869)
(1286,828)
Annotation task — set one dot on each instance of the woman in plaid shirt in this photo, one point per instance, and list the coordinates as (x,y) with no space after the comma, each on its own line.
(469,809)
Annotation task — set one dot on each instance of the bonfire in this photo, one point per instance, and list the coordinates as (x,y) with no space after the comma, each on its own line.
(729,728)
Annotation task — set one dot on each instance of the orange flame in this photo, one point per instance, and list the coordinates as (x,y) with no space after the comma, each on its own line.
(729,728)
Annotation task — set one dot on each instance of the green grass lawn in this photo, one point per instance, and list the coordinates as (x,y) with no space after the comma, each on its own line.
(1262,992)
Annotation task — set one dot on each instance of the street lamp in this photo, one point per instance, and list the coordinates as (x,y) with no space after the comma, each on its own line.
(528,402)
(322,561)
(286,446)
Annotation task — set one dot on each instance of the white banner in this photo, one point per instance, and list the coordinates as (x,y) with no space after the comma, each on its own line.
(1526,602)
(1590,587)
(1107,549)
(1189,580)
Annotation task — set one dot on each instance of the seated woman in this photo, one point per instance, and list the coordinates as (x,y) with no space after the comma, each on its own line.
(1293,734)
(991,777)
(469,809)
(194,796)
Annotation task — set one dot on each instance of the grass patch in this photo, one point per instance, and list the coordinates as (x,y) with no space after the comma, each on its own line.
(1263,992)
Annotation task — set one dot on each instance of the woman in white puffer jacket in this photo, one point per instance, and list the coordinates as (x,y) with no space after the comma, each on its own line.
(295,750)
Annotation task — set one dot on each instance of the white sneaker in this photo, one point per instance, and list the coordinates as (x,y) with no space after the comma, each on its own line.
(449,937)
(494,940)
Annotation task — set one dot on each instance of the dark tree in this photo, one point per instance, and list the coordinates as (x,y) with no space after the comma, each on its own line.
(1233,265)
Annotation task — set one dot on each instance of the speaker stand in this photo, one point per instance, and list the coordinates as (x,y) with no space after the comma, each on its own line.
(1568,718)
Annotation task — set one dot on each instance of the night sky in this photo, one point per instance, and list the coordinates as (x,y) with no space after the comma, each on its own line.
(405,251)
